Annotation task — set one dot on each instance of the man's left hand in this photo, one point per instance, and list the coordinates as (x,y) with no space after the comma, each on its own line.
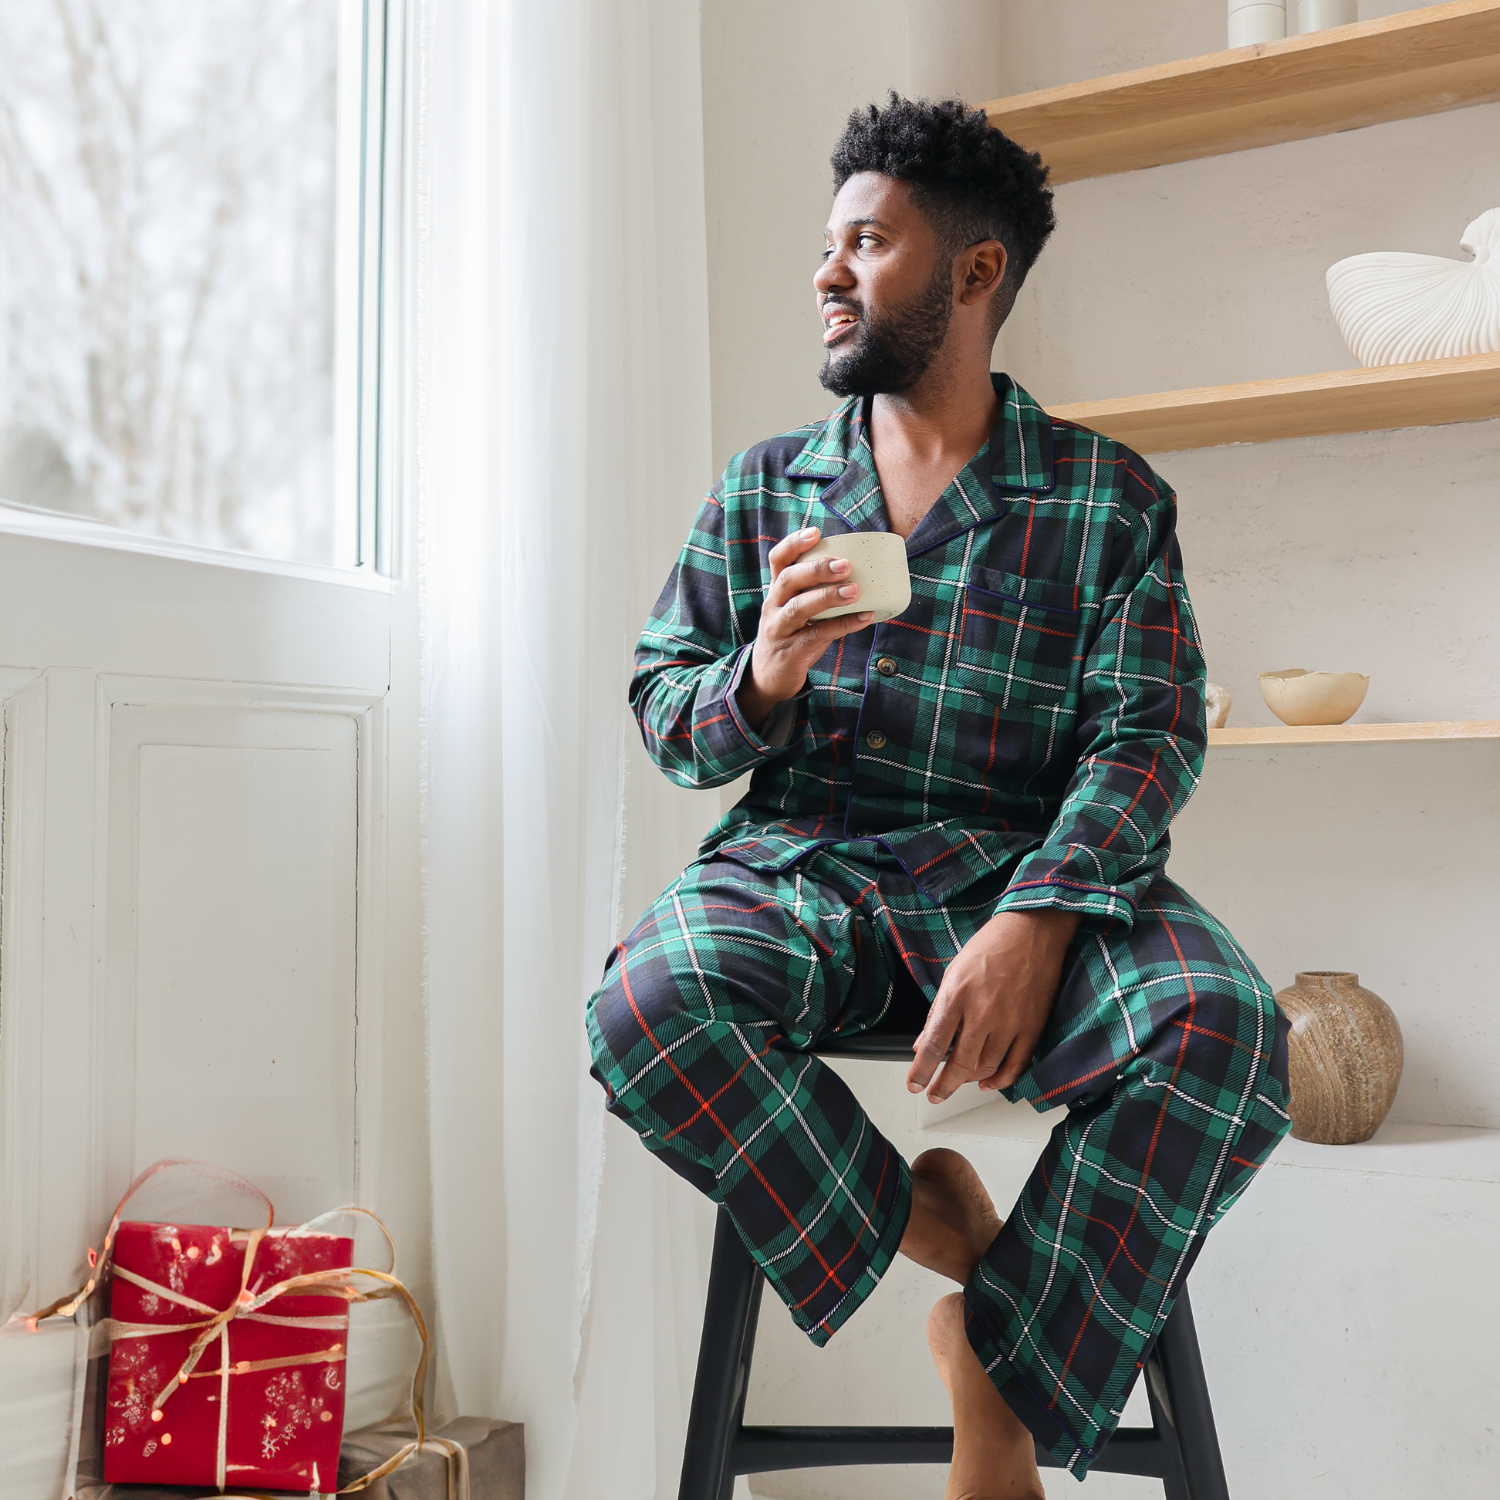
(993,1003)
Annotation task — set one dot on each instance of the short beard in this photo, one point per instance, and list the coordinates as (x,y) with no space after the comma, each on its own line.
(893,353)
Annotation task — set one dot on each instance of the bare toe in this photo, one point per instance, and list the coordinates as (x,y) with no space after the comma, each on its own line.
(959,1217)
(994,1457)
(945,1330)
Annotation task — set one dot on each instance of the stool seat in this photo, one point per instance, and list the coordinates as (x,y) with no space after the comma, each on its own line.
(877,1046)
(1180,1448)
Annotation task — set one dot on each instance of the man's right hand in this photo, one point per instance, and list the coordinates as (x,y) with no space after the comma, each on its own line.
(789,641)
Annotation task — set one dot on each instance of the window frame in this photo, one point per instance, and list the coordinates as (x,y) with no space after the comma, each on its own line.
(376,140)
(382,180)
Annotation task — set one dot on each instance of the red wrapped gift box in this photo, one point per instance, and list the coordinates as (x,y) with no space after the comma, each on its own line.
(263,1404)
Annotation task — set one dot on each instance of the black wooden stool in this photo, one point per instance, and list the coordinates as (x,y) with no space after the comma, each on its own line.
(1180,1448)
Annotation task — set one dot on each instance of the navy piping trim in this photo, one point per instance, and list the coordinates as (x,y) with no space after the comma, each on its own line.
(1051,609)
(854,745)
(719,853)
(1024,489)
(943,541)
(1071,885)
(801,854)
(732,709)
(895,856)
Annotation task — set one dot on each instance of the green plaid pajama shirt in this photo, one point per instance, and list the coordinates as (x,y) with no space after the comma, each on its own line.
(1020,737)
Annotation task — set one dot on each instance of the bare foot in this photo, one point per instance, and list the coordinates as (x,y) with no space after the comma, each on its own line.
(993,1454)
(953,1221)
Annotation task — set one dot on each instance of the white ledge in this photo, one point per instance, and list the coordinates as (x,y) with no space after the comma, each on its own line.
(1457,1152)
(56,526)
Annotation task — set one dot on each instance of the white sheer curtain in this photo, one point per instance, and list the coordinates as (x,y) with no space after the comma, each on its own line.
(563,446)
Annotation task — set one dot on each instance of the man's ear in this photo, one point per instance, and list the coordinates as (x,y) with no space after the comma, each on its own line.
(983,269)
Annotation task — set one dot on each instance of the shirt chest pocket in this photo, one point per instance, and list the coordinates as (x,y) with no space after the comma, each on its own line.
(1020,635)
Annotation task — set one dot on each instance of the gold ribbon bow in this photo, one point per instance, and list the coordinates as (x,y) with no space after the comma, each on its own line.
(338,1281)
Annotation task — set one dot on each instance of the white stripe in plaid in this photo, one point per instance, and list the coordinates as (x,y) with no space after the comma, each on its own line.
(1164,1042)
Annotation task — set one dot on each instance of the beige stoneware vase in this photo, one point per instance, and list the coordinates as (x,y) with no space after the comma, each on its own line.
(1345,1057)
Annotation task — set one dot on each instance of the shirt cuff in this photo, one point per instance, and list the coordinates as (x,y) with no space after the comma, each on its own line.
(777,730)
(781,730)
(1042,883)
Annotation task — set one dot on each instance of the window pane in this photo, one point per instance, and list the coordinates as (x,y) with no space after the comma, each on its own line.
(169,268)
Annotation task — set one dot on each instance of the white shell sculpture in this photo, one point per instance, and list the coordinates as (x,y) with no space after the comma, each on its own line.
(1393,308)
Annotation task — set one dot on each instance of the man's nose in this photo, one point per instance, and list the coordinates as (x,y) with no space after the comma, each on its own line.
(833,273)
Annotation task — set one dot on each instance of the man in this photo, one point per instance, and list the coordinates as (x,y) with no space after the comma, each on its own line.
(959,815)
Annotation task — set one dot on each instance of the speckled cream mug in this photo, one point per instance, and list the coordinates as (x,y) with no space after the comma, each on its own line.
(877,563)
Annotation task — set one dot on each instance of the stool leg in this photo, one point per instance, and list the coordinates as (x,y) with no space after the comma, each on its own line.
(1164,1420)
(742,1383)
(718,1387)
(1192,1412)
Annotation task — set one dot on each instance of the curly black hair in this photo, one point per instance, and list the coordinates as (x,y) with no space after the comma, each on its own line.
(970,181)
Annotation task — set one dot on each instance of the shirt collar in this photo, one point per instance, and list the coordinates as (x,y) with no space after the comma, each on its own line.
(833,443)
(1019,461)
(1021,443)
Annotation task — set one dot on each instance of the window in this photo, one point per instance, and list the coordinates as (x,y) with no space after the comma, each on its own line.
(189,268)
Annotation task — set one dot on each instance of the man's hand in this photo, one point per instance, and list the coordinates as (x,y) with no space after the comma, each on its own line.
(993,1003)
(787,644)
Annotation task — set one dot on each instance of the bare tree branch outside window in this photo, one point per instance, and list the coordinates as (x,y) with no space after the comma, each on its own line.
(167,230)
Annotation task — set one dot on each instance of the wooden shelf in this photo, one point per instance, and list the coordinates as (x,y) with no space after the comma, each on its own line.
(1355,734)
(1426,394)
(1418,63)
(1454,1152)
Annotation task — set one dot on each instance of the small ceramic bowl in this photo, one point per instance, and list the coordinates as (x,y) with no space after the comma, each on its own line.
(1297,696)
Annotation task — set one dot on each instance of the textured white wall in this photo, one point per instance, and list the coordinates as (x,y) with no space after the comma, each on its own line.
(780,77)
(1211,271)
(1372,552)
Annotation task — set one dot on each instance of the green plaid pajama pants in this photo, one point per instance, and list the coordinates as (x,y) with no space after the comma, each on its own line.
(1164,1043)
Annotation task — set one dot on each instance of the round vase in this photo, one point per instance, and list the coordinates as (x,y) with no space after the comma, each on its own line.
(1345,1057)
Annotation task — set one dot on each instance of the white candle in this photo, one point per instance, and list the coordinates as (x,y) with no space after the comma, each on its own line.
(1320,15)
(1255,21)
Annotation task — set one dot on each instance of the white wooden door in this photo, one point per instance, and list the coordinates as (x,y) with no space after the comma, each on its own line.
(192,909)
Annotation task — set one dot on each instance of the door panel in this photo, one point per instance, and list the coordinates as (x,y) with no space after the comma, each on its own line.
(231,898)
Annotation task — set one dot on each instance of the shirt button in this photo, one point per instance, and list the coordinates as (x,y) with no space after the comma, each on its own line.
(875,740)
(886,667)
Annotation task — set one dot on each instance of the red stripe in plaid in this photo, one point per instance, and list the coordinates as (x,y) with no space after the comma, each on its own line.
(693,1035)
(1168,1119)
(1047,700)
(704,1108)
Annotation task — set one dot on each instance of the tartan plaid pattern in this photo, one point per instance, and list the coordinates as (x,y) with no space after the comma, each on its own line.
(1164,1043)
(1038,707)
(1021,736)
(699,1035)
(1171,1055)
